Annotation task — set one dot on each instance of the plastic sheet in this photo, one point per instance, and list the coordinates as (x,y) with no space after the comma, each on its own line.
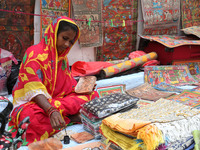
(6,59)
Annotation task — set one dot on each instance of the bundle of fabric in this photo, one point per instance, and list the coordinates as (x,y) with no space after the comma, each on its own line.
(91,123)
(82,68)
(139,53)
(161,123)
(93,112)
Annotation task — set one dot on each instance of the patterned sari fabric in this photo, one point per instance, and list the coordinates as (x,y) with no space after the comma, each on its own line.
(44,72)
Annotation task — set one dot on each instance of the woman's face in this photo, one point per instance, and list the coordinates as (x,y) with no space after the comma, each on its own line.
(65,39)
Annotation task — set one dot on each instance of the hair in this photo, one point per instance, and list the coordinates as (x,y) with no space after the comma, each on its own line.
(65,26)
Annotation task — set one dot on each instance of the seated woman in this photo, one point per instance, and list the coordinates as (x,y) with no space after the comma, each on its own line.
(44,90)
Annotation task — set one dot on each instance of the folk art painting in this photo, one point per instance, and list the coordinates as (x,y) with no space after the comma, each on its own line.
(173,75)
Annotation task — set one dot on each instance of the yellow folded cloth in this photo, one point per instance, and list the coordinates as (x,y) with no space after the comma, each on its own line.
(121,140)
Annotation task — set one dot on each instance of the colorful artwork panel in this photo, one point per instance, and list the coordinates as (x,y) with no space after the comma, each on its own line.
(89,17)
(172,41)
(50,9)
(118,40)
(161,17)
(195,30)
(190,13)
(102,91)
(145,91)
(167,87)
(173,75)
(187,98)
(193,65)
(16,28)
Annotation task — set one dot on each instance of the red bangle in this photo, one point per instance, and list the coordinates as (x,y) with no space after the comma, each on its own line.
(50,110)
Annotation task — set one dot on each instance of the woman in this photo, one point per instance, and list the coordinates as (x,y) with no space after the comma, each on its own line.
(44,90)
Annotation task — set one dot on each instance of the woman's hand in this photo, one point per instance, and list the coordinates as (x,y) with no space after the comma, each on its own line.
(54,115)
(57,121)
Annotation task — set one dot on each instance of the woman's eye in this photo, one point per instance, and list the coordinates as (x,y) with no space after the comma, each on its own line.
(65,38)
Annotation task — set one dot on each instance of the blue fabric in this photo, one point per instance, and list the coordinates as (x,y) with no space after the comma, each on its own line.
(191,147)
(131,81)
(182,144)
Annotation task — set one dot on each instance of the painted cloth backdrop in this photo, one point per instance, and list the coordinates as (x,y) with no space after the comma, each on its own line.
(50,9)
(161,16)
(16,28)
(89,16)
(190,13)
(118,40)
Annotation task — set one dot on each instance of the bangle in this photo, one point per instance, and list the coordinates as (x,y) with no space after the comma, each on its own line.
(55,110)
(50,110)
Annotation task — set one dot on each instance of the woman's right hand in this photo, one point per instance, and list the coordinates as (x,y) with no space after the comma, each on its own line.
(55,116)
(57,121)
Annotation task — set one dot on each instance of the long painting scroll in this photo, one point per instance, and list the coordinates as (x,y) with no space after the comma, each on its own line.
(88,16)
(120,29)
(161,16)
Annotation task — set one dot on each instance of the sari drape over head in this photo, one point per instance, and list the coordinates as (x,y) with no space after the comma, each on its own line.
(43,71)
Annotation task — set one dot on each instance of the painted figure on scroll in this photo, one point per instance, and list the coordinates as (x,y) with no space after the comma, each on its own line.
(44,90)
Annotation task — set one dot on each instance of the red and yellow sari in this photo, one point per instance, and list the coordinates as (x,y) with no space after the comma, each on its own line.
(44,72)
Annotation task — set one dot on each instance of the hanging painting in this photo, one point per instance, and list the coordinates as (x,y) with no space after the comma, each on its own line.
(120,29)
(88,16)
(161,16)
(17,28)
(190,13)
(50,9)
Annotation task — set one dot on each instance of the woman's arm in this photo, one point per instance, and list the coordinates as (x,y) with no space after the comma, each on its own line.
(55,117)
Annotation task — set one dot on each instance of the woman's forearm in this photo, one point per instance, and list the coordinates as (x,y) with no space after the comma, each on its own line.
(56,120)
(42,102)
